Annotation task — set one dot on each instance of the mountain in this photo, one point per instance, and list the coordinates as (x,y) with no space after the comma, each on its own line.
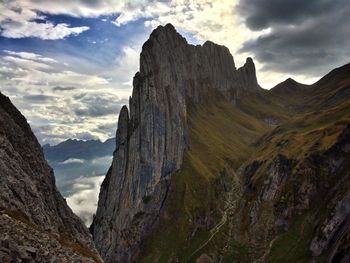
(78,149)
(36,225)
(79,168)
(210,167)
(77,160)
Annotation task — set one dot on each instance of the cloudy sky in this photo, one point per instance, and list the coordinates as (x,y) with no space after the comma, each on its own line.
(68,64)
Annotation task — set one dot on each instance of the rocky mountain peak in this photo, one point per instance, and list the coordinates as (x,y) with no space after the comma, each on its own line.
(289,82)
(247,75)
(194,70)
(153,135)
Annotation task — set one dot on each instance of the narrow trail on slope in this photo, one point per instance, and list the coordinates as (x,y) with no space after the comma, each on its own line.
(230,205)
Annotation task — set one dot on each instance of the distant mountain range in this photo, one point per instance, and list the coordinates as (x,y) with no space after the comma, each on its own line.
(74,159)
(78,149)
(79,168)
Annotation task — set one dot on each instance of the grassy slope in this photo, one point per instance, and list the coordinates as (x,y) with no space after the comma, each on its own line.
(317,114)
(313,129)
(298,140)
(221,139)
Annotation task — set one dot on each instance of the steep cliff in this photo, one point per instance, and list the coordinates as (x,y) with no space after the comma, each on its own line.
(154,134)
(36,223)
(209,167)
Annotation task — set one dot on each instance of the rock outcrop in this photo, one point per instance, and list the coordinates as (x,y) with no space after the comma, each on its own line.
(153,133)
(30,204)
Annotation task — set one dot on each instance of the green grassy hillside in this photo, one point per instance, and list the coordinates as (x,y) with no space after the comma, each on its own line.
(256,182)
(221,139)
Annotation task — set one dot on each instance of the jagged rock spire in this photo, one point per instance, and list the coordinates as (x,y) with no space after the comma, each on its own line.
(152,137)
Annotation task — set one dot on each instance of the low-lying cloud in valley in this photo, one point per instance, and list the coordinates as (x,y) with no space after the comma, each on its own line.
(83,200)
(79,182)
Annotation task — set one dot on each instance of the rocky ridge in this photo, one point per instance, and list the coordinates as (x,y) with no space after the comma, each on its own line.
(28,194)
(153,134)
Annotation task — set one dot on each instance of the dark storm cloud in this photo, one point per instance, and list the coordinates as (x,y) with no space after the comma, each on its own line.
(260,14)
(306,37)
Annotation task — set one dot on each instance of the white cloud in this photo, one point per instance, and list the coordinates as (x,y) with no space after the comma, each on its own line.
(31,56)
(84,200)
(31,66)
(59,102)
(25,63)
(73,160)
(46,31)
(127,64)
(19,21)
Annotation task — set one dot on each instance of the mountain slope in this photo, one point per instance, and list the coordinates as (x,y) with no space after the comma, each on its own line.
(199,191)
(31,208)
(211,168)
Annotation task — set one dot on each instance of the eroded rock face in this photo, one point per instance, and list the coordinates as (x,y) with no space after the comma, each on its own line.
(315,190)
(27,185)
(153,134)
(20,242)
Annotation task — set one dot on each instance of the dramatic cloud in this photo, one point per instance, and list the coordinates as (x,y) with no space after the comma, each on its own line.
(75,87)
(281,24)
(58,102)
(302,37)
(84,200)
(203,19)
(17,21)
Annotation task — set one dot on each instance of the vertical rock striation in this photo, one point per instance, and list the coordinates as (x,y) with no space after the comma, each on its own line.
(153,134)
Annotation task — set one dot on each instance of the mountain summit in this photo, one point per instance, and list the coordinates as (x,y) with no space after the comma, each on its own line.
(154,133)
(209,167)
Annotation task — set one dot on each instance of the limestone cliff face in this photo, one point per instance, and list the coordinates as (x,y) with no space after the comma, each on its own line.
(153,133)
(31,207)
